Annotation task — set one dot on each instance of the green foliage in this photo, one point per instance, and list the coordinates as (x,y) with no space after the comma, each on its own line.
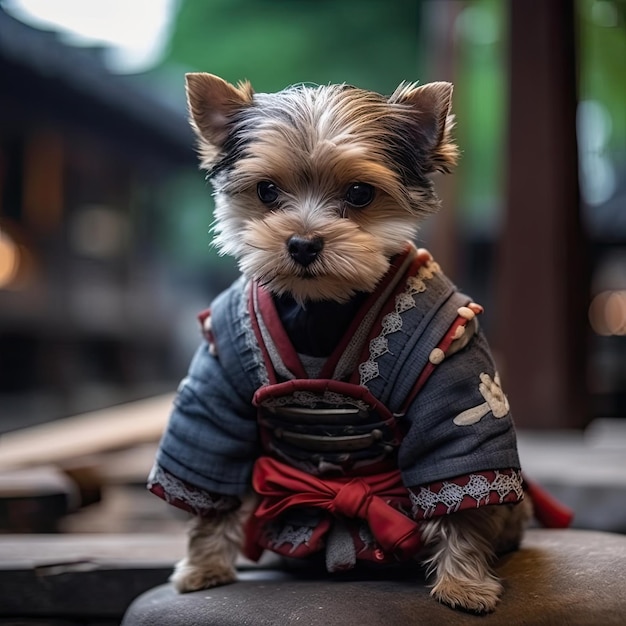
(274,43)
(603,61)
(376,44)
(480,104)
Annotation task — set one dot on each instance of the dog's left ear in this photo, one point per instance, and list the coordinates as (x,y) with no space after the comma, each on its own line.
(212,103)
(432,121)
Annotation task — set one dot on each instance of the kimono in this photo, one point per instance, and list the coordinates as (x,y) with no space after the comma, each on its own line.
(351,422)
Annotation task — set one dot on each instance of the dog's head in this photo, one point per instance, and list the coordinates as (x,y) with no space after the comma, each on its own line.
(316,188)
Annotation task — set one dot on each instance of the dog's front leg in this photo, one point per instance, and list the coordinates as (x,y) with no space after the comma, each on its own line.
(213,546)
(461,550)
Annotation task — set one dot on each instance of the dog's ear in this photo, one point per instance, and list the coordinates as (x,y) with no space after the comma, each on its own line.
(212,102)
(432,121)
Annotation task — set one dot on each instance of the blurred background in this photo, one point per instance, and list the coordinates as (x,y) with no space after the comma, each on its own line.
(105,253)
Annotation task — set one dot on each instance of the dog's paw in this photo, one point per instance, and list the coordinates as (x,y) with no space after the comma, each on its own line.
(468,595)
(191,577)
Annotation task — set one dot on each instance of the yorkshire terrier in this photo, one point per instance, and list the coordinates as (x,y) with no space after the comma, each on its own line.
(343,380)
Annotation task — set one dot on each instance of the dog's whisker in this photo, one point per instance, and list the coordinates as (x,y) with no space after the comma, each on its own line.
(251,245)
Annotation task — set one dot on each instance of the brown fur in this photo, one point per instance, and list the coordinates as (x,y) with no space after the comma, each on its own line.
(213,546)
(313,143)
(461,550)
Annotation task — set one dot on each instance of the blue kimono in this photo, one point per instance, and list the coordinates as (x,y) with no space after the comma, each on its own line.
(390,405)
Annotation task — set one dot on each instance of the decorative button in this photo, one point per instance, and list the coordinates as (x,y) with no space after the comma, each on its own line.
(466,313)
(459,332)
(436,356)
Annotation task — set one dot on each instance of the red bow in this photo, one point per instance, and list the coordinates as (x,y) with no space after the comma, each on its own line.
(365,497)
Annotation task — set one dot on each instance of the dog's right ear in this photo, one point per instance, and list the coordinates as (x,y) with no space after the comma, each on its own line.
(212,103)
(432,122)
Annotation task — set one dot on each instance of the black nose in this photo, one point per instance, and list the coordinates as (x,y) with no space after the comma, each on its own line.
(304,251)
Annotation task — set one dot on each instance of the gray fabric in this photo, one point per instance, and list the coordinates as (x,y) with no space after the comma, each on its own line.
(340,552)
(211,440)
(435,448)
(422,329)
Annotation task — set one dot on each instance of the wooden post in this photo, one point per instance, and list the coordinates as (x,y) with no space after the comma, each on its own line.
(543,282)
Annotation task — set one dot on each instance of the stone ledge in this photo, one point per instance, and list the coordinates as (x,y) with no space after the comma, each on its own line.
(81,576)
(558,577)
(85,576)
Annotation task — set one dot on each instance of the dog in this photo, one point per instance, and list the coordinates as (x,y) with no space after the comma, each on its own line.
(343,380)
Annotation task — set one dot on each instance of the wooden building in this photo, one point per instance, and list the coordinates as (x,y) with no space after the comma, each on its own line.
(84,156)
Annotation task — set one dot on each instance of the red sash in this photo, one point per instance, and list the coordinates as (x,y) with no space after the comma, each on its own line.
(370,498)
(549,512)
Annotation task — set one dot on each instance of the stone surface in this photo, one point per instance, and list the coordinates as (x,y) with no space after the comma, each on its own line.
(80,576)
(85,579)
(558,577)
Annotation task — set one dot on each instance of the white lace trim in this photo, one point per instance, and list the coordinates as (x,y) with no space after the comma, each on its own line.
(251,340)
(479,488)
(289,534)
(392,322)
(311,399)
(198,500)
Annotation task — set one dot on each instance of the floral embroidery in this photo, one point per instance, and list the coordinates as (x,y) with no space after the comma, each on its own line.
(491,390)
(495,401)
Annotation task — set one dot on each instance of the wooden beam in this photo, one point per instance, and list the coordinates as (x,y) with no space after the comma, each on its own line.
(543,281)
(67,439)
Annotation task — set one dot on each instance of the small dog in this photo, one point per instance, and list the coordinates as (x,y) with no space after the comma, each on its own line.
(343,379)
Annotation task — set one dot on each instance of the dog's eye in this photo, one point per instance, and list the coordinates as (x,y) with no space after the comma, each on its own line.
(267,192)
(359,195)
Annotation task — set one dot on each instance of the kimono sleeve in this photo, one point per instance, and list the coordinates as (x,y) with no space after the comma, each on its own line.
(460,450)
(210,442)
